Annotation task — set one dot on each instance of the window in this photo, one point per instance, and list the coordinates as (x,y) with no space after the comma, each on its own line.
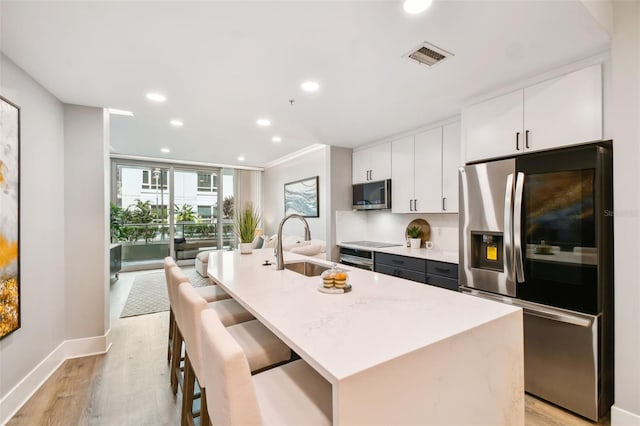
(204,212)
(207,182)
(154,179)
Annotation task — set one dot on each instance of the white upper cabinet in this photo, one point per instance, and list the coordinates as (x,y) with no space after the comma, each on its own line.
(451,162)
(428,171)
(491,127)
(566,110)
(425,171)
(372,164)
(402,177)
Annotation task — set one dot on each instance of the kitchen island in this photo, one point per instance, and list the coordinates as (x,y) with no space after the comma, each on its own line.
(395,352)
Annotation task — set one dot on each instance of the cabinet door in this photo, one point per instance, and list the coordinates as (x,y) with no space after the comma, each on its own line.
(360,165)
(380,161)
(451,162)
(490,127)
(402,175)
(564,111)
(428,171)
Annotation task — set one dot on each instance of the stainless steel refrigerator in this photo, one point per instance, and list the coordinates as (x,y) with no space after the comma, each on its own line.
(536,231)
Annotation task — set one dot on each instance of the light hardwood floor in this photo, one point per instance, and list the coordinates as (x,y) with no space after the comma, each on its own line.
(130,384)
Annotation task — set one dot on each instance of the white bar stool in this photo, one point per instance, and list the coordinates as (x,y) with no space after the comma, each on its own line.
(291,394)
(264,349)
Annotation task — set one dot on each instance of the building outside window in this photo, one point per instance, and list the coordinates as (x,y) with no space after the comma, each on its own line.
(207,182)
(154,179)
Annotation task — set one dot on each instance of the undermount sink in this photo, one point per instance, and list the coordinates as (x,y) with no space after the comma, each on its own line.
(308,269)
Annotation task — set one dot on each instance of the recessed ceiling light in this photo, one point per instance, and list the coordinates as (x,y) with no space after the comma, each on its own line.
(165,150)
(115,111)
(241,158)
(310,86)
(416,6)
(263,122)
(276,139)
(156,97)
(176,123)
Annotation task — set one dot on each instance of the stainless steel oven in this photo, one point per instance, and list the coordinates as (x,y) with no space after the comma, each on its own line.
(358,258)
(534,232)
(360,253)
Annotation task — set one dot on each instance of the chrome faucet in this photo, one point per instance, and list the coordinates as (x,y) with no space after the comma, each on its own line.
(307,237)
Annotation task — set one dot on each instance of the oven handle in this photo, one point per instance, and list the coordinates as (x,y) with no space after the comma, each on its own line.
(355,259)
(536,310)
(517,223)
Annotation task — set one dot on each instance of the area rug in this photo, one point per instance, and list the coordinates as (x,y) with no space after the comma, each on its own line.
(148,293)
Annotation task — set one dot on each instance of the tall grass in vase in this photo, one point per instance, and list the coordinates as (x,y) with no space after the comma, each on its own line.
(245,225)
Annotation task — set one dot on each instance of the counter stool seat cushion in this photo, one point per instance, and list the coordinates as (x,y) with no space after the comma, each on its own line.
(261,346)
(293,394)
(230,312)
(212,293)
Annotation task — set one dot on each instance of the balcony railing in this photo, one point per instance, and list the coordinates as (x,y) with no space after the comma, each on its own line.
(189,238)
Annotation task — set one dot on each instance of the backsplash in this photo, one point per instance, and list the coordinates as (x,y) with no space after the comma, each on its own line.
(390,227)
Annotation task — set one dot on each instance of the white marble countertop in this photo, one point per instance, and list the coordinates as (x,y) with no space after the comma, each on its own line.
(340,335)
(403,250)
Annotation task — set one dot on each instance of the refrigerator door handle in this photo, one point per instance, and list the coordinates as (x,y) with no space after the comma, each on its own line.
(517,223)
(508,227)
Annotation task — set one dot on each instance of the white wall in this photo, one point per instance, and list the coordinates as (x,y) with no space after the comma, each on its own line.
(85,221)
(625,117)
(340,194)
(308,165)
(42,238)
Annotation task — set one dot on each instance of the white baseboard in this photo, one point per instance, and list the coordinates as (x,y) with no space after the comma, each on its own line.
(620,417)
(21,392)
(88,346)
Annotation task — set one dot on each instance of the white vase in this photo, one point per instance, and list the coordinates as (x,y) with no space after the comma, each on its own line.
(246,248)
(415,242)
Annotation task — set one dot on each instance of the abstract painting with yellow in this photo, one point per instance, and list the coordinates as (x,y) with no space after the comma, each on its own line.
(9,218)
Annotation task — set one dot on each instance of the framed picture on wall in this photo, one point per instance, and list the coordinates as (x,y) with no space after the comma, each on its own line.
(301,197)
(9,217)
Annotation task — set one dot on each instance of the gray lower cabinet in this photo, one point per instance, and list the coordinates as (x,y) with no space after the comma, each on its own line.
(440,274)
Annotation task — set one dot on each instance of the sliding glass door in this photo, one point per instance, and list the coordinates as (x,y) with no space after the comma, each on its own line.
(159,210)
(203,215)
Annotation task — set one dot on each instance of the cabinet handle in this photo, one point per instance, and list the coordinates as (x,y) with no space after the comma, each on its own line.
(443,270)
(397,262)
(444,204)
(415,205)
(526,139)
(518,141)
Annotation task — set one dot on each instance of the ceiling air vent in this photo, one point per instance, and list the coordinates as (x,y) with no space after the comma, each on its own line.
(428,54)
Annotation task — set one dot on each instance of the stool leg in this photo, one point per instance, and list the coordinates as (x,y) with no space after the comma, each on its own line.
(188,387)
(175,359)
(204,414)
(172,324)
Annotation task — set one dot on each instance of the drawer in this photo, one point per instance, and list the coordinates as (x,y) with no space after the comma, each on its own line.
(449,270)
(404,262)
(407,274)
(439,281)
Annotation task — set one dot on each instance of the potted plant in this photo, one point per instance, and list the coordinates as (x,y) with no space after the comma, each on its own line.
(414,233)
(247,219)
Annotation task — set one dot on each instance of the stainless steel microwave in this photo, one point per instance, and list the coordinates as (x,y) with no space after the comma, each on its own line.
(372,195)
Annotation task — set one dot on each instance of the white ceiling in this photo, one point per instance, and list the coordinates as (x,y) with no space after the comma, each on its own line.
(222,65)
